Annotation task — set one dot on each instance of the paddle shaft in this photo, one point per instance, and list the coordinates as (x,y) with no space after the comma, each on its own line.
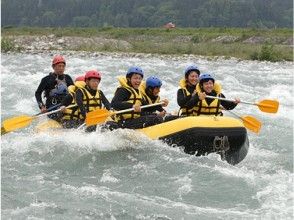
(3,131)
(52,112)
(95,117)
(132,109)
(229,100)
(233,113)
(49,109)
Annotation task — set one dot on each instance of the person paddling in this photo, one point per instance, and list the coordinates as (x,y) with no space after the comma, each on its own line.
(128,95)
(54,86)
(187,92)
(70,118)
(150,91)
(209,106)
(90,97)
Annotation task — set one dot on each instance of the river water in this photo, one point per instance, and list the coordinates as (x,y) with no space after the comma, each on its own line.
(124,175)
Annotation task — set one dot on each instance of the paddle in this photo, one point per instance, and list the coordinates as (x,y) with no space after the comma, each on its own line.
(266,105)
(251,123)
(3,131)
(100,115)
(15,123)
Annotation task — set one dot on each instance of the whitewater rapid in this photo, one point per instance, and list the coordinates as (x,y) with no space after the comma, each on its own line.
(123,174)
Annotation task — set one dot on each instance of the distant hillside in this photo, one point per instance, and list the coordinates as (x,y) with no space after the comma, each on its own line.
(148,13)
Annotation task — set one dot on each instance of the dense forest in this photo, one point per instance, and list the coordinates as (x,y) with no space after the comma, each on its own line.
(148,13)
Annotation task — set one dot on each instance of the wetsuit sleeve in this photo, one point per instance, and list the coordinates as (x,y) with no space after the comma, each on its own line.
(105,101)
(186,101)
(119,101)
(68,80)
(227,105)
(160,108)
(79,101)
(39,91)
(67,100)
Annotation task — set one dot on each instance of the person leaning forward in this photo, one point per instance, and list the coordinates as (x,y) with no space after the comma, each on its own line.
(54,86)
(128,95)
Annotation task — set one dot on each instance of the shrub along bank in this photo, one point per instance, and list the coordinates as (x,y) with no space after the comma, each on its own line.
(254,44)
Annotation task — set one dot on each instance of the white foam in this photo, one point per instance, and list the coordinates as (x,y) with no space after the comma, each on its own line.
(107,177)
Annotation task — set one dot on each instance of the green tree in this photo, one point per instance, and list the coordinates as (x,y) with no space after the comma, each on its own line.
(48,19)
(81,21)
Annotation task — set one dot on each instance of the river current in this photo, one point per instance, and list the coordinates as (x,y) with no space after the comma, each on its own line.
(124,175)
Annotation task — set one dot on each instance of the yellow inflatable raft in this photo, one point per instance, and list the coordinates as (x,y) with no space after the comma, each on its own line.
(197,135)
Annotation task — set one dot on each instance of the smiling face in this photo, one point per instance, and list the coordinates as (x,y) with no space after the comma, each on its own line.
(193,78)
(208,86)
(136,80)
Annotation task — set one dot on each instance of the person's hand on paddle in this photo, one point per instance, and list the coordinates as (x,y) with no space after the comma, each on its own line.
(62,108)
(237,101)
(137,108)
(43,109)
(202,95)
(165,102)
(162,113)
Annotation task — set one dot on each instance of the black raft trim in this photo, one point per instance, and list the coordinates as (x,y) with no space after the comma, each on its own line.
(202,141)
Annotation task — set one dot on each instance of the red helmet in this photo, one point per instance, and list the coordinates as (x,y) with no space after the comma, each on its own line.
(93,74)
(80,78)
(58,59)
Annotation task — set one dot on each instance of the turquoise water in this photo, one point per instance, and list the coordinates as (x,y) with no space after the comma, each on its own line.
(123,174)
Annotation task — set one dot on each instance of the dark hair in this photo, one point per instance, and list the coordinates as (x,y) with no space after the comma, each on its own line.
(193,70)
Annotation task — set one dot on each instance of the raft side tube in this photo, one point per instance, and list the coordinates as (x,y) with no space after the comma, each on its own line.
(202,141)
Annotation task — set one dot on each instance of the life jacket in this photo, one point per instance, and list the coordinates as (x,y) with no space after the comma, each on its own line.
(148,100)
(72,113)
(214,107)
(184,111)
(135,98)
(210,109)
(77,85)
(90,102)
(59,91)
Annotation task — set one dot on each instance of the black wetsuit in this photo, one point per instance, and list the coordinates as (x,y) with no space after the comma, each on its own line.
(79,100)
(185,101)
(151,110)
(192,100)
(83,109)
(47,84)
(119,102)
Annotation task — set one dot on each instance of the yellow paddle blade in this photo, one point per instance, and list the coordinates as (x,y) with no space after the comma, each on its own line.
(97,112)
(269,106)
(12,124)
(97,116)
(251,123)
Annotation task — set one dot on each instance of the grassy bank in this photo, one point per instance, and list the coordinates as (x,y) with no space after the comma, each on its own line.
(270,44)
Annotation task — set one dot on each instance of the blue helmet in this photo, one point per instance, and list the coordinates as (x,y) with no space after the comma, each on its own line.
(191,68)
(153,82)
(204,77)
(134,69)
